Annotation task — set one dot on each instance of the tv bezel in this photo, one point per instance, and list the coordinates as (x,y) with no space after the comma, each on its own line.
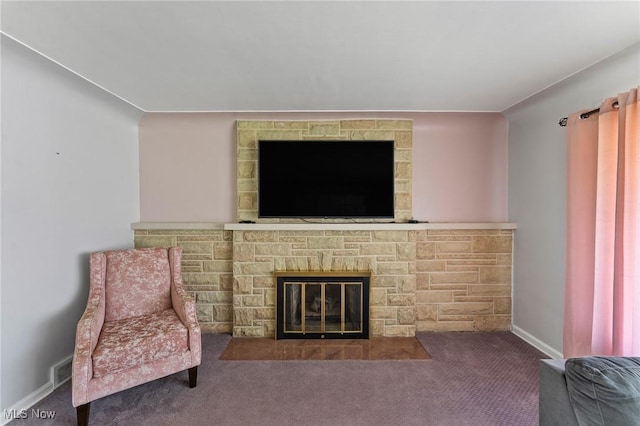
(387,217)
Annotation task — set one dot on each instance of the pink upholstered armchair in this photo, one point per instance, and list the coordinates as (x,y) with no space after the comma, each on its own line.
(139,325)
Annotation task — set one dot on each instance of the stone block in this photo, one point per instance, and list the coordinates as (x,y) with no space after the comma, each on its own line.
(404,140)
(264,313)
(492,244)
(427,312)
(431,265)
(299,125)
(465,308)
(259,236)
(422,281)
(376,327)
(270,297)
(377,297)
(453,277)
(403,202)
(145,241)
(243,252)
(222,251)
(325,242)
(213,297)
(424,250)
(217,266)
(280,134)
(384,281)
(392,268)
(493,323)
(357,124)
(434,296)
(383,248)
(491,290)
(407,284)
(247,169)
(242,316)
(371,135)
(401,300)
(383,312)
(226,281)
(403,170)
(453,247)
(217,327)
(247,200)
(407,315)
(222,313)
(495,274)
(324,128)
(255,268)
(254,124)
(242,285)
(202,279)
(277,249)
(502,305)
(204,313)
(406,252)
(196,247)
(399,331)
(252,300)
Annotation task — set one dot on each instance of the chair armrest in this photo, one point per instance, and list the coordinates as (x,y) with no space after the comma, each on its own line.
(88,331)
(184,305)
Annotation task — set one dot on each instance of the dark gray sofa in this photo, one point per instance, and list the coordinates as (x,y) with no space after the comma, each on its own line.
(590,391)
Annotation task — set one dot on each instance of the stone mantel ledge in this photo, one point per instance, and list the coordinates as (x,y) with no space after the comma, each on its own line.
(323,226)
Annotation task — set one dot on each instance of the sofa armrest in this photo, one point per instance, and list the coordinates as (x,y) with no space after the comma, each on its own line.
(554,404)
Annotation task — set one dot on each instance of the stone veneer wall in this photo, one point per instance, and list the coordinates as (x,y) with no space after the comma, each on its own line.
(250,132)
(463,280)
(423,280)
(389,255)
(207,270)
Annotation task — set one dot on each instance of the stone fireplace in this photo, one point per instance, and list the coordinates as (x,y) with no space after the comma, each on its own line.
(423,277)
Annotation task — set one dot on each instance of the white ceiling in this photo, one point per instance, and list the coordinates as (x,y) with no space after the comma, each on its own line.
(323,55)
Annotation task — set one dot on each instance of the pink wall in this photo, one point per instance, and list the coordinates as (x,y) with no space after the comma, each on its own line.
(187,164)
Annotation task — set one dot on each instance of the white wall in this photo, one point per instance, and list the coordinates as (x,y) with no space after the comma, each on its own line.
(69,186)
(537,190)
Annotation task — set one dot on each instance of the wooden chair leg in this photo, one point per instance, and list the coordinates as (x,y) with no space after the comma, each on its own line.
(82,412)
(193,376)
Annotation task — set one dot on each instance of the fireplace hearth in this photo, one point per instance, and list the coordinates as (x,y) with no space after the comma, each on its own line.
(318,305)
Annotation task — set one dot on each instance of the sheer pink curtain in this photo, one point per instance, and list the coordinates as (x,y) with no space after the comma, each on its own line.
(602,288)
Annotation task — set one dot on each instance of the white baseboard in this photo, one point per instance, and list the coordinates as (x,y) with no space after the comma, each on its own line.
(25,403)
(60,373)
(537,343)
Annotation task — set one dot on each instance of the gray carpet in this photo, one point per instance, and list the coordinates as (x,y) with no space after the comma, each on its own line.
(472,379)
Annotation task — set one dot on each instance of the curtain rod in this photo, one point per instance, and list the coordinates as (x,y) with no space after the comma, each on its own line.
(563,121)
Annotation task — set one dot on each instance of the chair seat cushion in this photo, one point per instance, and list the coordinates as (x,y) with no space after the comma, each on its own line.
(135,341)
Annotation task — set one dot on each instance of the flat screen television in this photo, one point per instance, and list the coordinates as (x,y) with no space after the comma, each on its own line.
(325,179)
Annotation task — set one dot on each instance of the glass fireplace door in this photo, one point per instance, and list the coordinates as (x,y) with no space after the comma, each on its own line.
(321,306)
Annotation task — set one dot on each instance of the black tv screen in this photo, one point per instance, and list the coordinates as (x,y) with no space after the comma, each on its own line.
(325,179)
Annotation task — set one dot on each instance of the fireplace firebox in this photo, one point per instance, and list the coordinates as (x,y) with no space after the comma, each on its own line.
(318,305)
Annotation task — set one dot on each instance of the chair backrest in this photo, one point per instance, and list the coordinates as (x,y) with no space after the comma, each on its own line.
(137,282)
